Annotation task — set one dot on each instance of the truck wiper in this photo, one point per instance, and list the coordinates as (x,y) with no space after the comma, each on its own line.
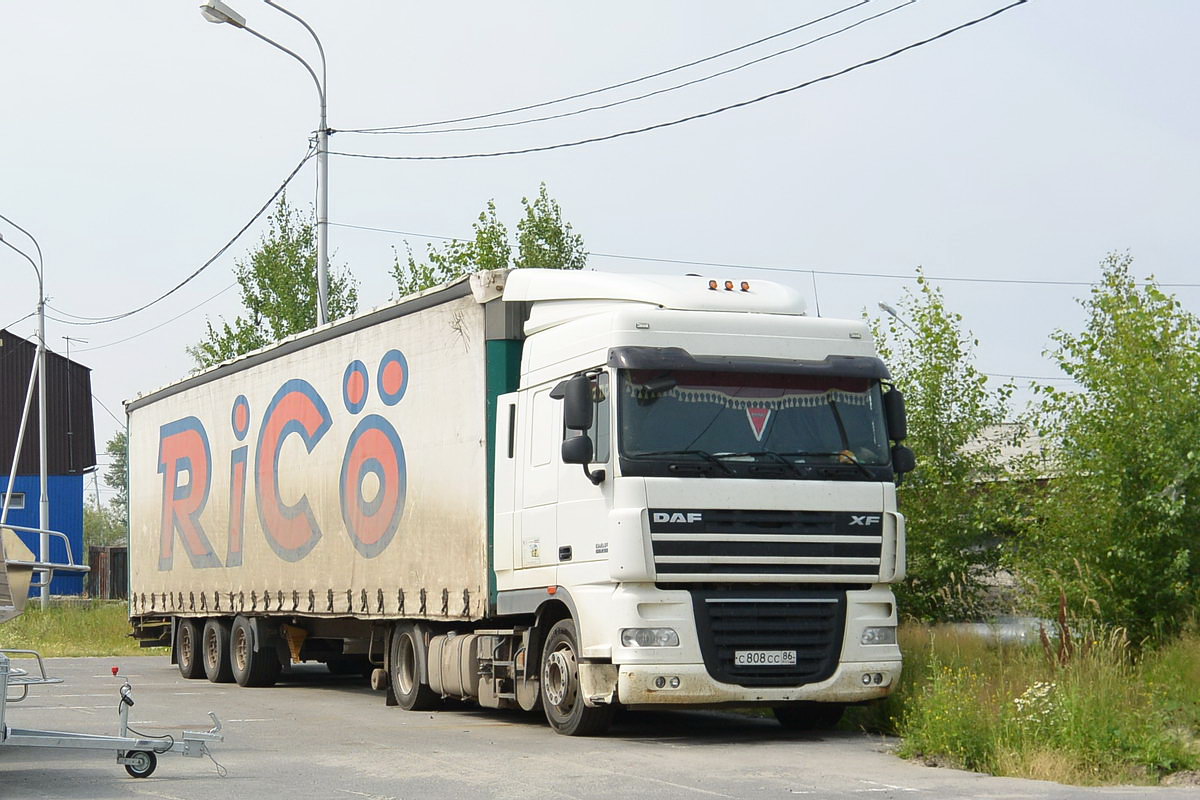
(843,456)
(846,451)
(704,454)
(771,454)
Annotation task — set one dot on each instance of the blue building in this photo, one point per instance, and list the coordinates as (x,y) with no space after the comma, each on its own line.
(70,449)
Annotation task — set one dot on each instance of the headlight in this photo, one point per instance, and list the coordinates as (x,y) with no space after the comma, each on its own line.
(880,635)
(649,637)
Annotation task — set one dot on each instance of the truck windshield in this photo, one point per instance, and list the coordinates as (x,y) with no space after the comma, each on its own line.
(743,424)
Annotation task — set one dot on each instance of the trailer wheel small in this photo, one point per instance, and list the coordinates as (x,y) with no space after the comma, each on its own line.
(405,671)
(187,648)
(809,716)
(143,764)
(561,698)
(215,650)
(251,667)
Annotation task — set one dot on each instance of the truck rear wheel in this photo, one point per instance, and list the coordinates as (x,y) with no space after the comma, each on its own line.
(251,667)
(405,671)
(809,716)
(187,648)
(562,699)
(215,650)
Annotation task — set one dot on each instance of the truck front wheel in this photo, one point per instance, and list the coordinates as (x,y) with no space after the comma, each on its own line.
(562,699)
(404,665)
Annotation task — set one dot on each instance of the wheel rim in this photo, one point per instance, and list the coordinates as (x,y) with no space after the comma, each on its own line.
(241,650)
(212,648)
(406,666)
(141,761)
(557,678)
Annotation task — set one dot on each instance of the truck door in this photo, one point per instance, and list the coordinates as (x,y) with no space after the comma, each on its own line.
(535,537)
(583,505)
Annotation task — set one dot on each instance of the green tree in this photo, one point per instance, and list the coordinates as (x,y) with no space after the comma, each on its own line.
(952,500)
(279,291)
(116,476)
(543,240)
(103,526)
(1118,526)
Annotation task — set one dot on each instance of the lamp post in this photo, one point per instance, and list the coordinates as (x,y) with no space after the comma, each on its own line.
(219,12)
(896,315)
(43,485)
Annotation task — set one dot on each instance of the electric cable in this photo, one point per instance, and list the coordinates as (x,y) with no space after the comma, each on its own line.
(114,317)
(636,98)
(834,273)
(159,325)
(692,117)
(659,74)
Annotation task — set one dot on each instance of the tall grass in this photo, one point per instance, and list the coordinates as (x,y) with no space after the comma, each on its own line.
(1096,712)
(83,629)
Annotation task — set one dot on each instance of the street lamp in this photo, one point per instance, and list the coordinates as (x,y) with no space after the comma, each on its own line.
(896,315)
(40,369)
(216,11)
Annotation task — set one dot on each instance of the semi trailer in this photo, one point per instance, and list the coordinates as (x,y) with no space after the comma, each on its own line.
(565,490)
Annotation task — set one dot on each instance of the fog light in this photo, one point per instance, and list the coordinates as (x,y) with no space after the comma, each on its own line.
(660,682)
(674,681)
(879,635)
(649,637)
(878,678)
(866,679)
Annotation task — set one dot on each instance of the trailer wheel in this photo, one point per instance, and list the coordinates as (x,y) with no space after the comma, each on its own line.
(561,699)
(405,671)
(143,764)
(215,651)
(809,716)
(187,648)
(251,667)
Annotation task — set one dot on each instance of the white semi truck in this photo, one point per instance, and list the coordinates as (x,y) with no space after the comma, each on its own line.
(536,488)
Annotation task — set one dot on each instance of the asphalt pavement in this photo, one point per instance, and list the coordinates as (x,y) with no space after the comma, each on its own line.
(319,736)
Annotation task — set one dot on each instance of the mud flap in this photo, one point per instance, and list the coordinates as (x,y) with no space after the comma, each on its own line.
(598,684)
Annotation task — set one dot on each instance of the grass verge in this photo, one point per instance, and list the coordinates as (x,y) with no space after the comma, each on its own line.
(1096,714)
(79,629)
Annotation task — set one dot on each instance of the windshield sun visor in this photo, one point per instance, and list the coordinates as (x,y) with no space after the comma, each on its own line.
(676,358)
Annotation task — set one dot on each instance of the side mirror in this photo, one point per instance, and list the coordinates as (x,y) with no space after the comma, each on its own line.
(577,450)
(893,412)
(578,404)
(903,459)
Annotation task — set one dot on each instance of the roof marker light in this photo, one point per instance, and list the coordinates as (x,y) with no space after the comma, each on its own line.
(712,285)
(745,286)
(729,286)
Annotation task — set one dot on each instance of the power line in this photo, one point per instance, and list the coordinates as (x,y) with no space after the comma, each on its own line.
(110,413)
(201,268)
(161,324)
(654,93)
(800,270)
(659,74)
(693,117)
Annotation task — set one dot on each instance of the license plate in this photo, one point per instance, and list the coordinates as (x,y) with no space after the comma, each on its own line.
(764,658)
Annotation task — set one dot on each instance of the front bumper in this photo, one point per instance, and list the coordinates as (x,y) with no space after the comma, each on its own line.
(637,686)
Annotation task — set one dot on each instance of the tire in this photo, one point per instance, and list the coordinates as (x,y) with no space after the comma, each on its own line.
(215,650)
(561,699)
(188,635)
(251,667)
(809,716)
(404,670)
(144,763)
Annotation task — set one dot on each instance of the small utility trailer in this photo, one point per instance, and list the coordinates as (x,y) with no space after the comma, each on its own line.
(137,752)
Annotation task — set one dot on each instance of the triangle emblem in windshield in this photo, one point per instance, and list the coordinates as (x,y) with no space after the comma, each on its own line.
(758,417)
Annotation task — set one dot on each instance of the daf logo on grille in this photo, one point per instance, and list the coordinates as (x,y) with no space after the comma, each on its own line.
(865,519)
(678,516)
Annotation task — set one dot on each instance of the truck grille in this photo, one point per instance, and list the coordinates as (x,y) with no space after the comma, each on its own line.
(808,623)
(722,544)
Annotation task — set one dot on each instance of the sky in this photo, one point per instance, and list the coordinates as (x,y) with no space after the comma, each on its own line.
(137,139)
